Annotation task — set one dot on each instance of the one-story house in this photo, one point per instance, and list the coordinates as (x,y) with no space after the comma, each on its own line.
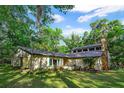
(35,59)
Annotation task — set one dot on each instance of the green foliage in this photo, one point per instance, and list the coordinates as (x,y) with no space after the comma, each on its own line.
(63,49)
(44,13)
(64,8)
(14,29)
(49,39)
(18,28)
(98,27)
(116,41)
(114,33)
(73,41)
(89,62)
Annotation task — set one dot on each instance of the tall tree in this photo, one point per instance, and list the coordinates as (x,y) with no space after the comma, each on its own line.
(18,25)
(114,33)
(15,28)
(49,39)
(116,42)
(73,41)
(44,13)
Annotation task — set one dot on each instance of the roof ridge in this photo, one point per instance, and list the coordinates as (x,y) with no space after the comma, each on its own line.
(57,54)
(90,45)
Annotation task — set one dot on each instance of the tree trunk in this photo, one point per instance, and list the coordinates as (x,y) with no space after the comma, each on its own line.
(39,14)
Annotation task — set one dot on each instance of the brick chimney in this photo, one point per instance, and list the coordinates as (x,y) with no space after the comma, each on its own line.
(104,48)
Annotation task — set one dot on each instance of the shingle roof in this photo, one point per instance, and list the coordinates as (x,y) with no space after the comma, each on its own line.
(55,54)
(88,46)
(85,54)
(41,52)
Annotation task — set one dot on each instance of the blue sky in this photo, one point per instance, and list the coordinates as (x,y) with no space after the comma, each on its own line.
(77,20)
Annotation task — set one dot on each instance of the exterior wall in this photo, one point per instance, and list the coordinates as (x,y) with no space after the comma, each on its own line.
(26,62)
(38,61)
(32,61)
(98,64)
(21,56)
(43,62)
(16,59)
(15,62)
(69,63)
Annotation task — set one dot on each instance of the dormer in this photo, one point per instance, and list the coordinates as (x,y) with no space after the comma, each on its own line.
(93,47)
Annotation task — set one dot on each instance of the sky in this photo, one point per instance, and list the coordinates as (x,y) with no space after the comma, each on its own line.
(78,20)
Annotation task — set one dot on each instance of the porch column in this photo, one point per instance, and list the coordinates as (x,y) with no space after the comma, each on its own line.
(95,48)
(82,50)
(62,62)
(87,49)
(52,62)
(48,60)
(58,62)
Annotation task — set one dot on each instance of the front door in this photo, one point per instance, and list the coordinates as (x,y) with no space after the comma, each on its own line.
(55,64)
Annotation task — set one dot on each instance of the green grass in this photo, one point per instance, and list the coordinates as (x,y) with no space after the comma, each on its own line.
(12,78)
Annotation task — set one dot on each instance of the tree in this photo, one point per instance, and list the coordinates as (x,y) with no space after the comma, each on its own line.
(14,28)
(89,62)
(113,31)
(18,28)
(73,41)
(99,28)
(49,39)
(63,49)
(44,13)
(116,42)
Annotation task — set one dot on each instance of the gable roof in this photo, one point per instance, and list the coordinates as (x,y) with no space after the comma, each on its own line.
(42,52)
(87,46)
(55,54)
(85,54)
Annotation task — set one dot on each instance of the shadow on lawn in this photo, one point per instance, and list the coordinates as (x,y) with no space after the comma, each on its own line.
(110,80)
(10,77)
(38,81)
(67,80)
(14,82)
(101,80)
(7,73)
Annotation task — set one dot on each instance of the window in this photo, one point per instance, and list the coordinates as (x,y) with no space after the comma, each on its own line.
(79,50)
(84,49)
(54,62)
(50,62)
(98,48)
(91,49)
(74,51)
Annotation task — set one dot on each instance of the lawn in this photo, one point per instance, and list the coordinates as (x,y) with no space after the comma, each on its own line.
(11,78)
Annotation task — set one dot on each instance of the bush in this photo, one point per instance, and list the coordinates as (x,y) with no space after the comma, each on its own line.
(120,70)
